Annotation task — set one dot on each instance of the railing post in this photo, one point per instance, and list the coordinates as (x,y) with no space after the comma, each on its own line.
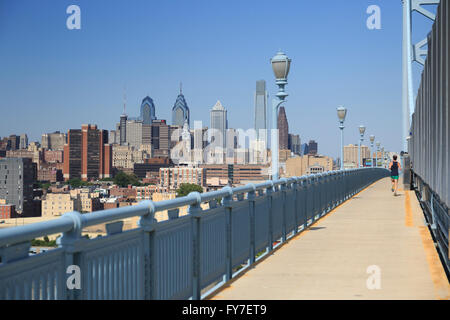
(296,208)
(309,208)
(270,234)
(327,193)
(283,188)
(195,211)
(305,184)
(315,190)
(251,200)
(433,217)
(147,223)
(227,203)
(68,243)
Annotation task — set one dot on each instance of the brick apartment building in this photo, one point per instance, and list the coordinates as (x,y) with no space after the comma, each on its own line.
(7,211)
(87,154)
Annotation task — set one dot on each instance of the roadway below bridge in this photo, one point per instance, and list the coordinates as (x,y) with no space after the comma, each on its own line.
(374,246)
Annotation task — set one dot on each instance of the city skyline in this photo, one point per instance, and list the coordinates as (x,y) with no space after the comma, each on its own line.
(58,79)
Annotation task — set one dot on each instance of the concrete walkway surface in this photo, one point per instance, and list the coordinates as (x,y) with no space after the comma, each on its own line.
(374,246)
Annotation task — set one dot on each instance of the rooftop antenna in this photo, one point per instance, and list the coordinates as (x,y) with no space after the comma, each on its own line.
(181,87)
(124,100)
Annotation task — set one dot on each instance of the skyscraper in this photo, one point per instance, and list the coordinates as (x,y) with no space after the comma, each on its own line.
(53,141)
(283,129)
(138,133)
(23,141)
(261,109)
(15,142)
(180,111)
(147,110)
(87,154)
(294,143)
(160,138)
(123,128)
(123,123)
(312,147)
(218,124)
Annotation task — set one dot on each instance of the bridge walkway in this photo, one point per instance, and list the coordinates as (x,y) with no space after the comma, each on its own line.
(330,260)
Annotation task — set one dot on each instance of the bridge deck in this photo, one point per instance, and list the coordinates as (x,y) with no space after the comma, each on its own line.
(330,260)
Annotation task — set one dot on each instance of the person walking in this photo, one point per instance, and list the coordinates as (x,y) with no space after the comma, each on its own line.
(394,166)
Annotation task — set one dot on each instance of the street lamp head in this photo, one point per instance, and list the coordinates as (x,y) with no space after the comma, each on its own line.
(341,112)
(378,144)
(280,65)
(362,129)
(372,138)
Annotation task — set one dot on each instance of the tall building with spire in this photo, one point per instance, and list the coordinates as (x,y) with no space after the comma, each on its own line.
(147,110)
(180,111)
(283,130)
(218,124)
(261,110)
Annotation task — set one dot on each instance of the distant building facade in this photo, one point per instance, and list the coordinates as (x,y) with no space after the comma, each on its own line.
(308,164)
(172,178)
(312,147)
(351,155)
(123,129)
(53,141)
(17,176)
(56,204)
(87,154)
(127,156)
(160,138)
(8,211)
(294,143)
(283,130)
(261,110)
(23,144)
(219,175)
(151,166)
(219,125)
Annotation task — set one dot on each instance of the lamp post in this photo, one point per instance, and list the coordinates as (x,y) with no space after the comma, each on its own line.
(376,157)
(280,65)
(342,112)
(362,129)
(372,139)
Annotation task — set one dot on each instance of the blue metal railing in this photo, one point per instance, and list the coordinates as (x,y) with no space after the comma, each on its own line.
(437,216)
(175,259)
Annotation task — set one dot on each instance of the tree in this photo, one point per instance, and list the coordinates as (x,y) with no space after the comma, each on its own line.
(123,180)
(46,185)
(186,188)
(76,183)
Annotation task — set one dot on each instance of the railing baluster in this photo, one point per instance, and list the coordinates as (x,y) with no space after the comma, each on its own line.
(195,211)
(283,190)
(147,223)
(67,242)
(252,205)
(270,193)
(227,203)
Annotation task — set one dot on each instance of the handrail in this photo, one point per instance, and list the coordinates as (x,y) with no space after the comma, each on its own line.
(19,234)
(197,250)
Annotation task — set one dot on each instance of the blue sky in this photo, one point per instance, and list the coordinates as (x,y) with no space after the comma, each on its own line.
(52,78)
